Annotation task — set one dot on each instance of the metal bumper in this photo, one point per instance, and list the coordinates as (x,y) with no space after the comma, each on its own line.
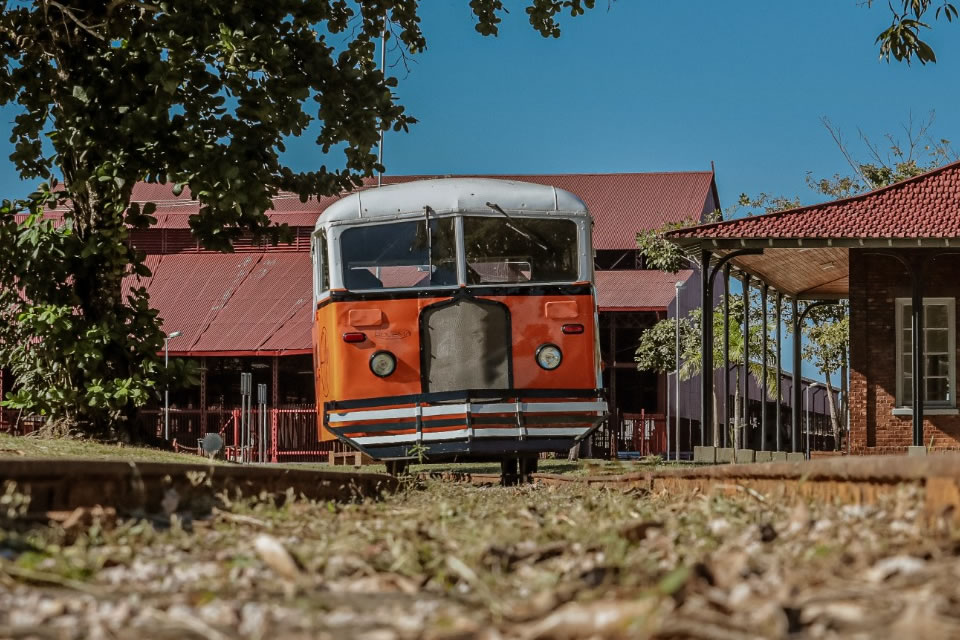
(467,424)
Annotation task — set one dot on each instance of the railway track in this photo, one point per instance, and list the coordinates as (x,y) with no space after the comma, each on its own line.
(842,480)
(60,485)
(131,487)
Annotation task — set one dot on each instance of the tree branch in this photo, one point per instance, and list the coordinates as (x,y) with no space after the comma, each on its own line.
(838,139)
(67,12)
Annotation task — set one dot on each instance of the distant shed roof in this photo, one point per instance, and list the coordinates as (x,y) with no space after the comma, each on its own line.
(236,303)
(637,290)
(621,203)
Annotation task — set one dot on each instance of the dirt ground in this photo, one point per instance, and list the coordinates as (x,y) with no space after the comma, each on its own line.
(457,561)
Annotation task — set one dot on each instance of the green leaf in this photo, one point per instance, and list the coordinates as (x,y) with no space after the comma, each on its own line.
(674,581)
(80,94)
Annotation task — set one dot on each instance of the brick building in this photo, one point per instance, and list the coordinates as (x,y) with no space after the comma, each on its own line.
(895,254)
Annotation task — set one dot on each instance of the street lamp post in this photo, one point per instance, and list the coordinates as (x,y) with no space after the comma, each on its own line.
(166,390)
(806,401)
(676,381)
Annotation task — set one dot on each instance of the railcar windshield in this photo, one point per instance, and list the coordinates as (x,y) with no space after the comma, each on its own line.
(519,250)
(400,254)
(498,250)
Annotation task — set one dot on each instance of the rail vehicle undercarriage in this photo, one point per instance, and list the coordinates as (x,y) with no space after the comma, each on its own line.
(511,426)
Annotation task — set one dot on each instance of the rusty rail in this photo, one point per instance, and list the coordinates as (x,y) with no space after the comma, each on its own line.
(64,484)
(130,486)
(842,479)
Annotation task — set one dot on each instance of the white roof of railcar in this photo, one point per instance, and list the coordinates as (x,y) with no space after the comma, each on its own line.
(452,195)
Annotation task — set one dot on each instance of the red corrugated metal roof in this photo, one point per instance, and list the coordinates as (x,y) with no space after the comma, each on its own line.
(621,203)
(260,301)
(640,290)
(624,203)
(234,302)
(927,206)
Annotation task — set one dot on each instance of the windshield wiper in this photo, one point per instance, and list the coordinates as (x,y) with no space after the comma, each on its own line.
(527,233)
(426,220)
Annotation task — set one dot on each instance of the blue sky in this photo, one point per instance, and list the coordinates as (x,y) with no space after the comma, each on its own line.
(654,86)
(660,86)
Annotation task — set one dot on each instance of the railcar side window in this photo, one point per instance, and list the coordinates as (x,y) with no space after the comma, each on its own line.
(400,254)
(322,255)
(518,250)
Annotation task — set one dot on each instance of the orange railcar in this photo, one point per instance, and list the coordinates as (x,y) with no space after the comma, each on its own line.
(456,319)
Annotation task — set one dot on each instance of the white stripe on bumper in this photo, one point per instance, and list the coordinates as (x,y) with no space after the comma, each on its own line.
(461,434)
(459,409)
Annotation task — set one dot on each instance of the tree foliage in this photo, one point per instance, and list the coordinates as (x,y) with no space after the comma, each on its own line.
(901,39)
(656,350)
(202,94)
(664,255)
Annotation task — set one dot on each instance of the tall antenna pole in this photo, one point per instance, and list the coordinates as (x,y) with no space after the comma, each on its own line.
(383,58)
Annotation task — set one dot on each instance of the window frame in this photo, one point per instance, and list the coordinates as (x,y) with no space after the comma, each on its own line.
(346,228)
(578,243)
(584,267)
(320,260)
(901,400)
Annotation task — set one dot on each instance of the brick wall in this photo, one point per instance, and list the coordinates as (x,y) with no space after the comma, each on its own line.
(875,284)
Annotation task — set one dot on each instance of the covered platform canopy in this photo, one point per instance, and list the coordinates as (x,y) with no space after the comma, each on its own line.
(805,254)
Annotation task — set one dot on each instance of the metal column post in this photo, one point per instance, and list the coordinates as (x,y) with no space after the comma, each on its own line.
(667,376)
(706,333)
(275,405)
(614,415)
(203,394)
(745,414)
(779,392)
(726,353)
(676,381)
(797,384)
(763,359)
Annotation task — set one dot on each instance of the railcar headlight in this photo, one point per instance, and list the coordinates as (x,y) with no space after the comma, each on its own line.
(383,363)
(549,356)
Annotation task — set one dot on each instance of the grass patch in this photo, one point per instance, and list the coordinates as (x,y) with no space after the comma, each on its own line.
(33,447)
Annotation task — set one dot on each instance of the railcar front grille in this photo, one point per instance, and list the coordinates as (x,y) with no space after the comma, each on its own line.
(466,345)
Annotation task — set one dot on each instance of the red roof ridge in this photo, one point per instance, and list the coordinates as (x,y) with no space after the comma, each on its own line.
(829,203)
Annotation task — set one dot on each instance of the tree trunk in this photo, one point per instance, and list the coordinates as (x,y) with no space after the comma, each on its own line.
(834,418)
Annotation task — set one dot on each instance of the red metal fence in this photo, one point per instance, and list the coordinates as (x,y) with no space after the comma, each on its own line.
(17,423)
(290,434)
(642,434)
